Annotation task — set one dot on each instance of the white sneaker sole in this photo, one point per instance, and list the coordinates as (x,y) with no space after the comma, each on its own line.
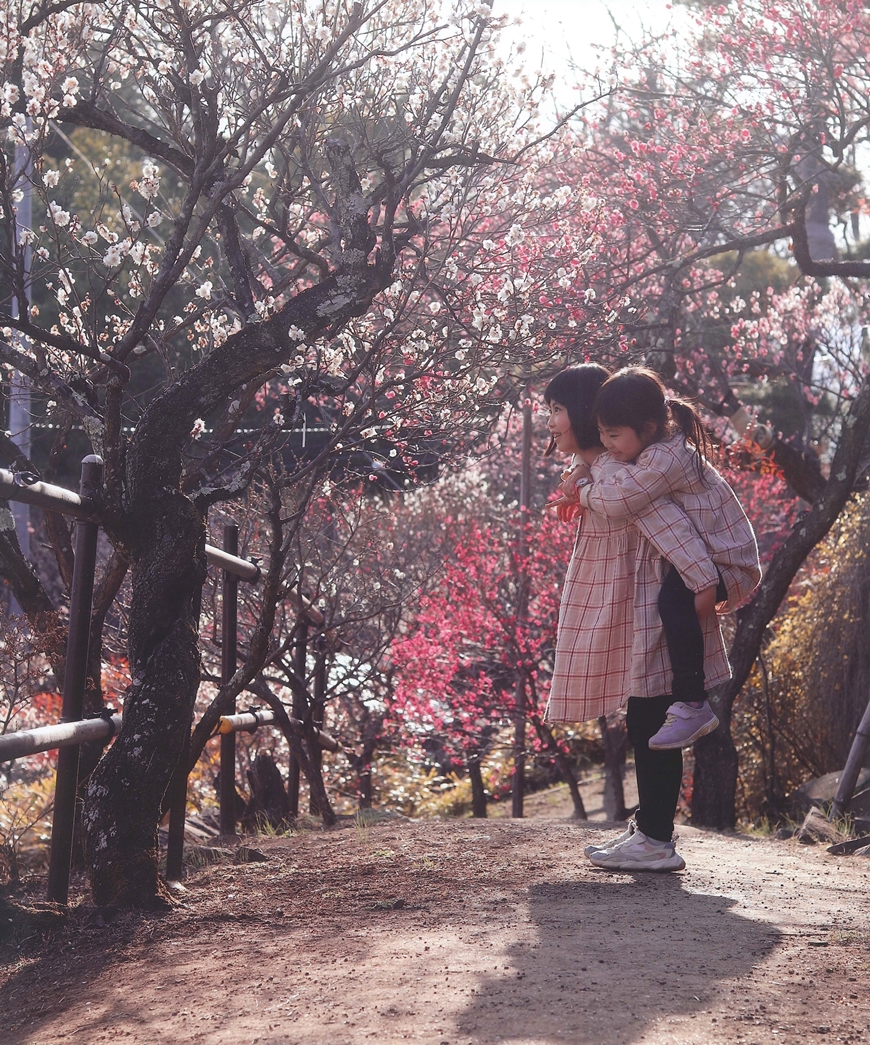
(672,863)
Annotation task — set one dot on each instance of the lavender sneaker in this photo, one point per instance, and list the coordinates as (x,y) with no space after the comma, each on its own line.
(683,726)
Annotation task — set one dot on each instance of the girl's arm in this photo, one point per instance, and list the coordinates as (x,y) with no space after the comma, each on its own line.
(630,489)
(670,531)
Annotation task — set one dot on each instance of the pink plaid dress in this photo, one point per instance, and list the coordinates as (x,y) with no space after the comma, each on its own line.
(610,643)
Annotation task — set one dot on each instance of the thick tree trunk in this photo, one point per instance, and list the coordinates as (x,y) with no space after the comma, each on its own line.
(478,791)
(362,766)
(126,789)
(365,786)
(715,782)
(614,739)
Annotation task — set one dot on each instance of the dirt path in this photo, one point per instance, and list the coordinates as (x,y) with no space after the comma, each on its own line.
(467,932)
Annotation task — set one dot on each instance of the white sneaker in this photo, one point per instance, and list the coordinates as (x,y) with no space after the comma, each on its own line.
(683,726)
(630,828)
(639,853)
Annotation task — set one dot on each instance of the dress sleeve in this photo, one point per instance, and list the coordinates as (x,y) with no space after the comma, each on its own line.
(633,488)
(670,531)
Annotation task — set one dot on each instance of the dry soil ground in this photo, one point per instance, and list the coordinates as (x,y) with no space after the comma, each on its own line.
(465,933)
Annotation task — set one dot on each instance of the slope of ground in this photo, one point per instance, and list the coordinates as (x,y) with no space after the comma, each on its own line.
(465,932)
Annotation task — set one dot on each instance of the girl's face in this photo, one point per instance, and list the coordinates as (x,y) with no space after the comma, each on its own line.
(624,442)
(559,427)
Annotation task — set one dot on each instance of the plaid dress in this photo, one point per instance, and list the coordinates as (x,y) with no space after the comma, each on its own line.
(610,643)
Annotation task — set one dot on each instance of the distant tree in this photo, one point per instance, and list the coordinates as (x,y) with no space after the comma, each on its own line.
(467,644)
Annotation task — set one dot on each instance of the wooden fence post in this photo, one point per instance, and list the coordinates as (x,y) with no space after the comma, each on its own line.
(75,677)
(300,711)
(229,647)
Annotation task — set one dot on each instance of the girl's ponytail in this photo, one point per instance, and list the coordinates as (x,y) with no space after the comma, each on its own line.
(690,424)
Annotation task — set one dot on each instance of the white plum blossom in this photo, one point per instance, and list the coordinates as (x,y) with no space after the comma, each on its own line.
(58,215)
(149,183)
(115,255)
(516,235)
(139,252)
(204,291)
(70,89)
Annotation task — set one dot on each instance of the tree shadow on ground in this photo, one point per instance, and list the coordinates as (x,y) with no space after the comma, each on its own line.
(65,961)
(613,957)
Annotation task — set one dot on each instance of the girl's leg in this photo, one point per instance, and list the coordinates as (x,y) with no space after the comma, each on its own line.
(684,637)
(659,773)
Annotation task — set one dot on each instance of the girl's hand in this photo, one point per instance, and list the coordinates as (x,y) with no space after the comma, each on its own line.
(566,509)
(570,511)
(567,487)
(705,603)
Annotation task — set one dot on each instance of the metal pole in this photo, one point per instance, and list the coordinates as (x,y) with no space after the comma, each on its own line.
(25,742)
(178,789)
(19,389)
(854,763)
(177,813)
(229,646)
(318,707)
(299,711)
(519,780)
(75,677)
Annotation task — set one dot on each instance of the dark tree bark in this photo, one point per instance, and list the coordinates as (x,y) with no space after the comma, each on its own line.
(478,790)
(714,787)
(269,804)
(365,787)
(319,797)
(614,739)
(126,789)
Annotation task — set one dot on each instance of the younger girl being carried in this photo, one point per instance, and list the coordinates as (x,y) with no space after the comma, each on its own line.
(664,447)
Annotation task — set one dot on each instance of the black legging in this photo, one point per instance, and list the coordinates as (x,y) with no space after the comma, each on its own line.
(659,773)
(684,635)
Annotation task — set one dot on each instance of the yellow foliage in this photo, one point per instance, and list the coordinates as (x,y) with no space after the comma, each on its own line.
(811,684)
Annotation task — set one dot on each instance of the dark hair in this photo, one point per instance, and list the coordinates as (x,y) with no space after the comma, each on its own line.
(576,389)
(635,396)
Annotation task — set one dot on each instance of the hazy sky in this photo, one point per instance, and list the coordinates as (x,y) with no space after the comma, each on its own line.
(564,29)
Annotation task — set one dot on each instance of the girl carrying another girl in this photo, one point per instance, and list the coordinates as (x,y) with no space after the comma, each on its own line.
(664,446)
(610,645)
